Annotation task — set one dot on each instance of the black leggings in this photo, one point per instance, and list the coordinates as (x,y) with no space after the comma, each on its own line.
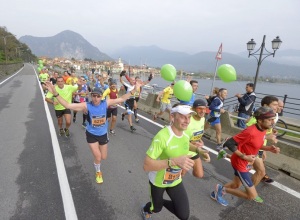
(178,205)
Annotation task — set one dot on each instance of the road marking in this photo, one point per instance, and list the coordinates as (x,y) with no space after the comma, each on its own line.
(276,184)
(69,208)
(11,76)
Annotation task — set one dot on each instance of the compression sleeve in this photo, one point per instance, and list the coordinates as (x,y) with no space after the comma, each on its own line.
(231,144)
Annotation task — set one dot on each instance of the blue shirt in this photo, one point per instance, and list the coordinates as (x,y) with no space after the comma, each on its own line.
(98,85)
(191,102)
(97,118)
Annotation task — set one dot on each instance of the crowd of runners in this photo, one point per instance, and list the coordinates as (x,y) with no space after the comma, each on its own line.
(176,148)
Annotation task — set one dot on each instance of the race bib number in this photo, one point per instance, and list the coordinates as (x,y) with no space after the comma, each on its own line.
(197,136)
(171,174)
(98,121)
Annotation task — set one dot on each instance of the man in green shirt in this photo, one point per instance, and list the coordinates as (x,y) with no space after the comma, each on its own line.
(66,92)
(166,158)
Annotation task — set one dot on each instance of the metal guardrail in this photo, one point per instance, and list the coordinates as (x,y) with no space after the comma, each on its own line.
(232,101)
(279,128)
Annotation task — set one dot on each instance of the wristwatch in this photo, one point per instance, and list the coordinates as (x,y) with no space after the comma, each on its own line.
(56,95)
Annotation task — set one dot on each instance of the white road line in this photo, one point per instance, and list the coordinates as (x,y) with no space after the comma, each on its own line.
(276,184)
(69,208)
(11,76)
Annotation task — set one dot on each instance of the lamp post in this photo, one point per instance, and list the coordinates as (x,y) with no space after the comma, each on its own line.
(4,38)
(250,47)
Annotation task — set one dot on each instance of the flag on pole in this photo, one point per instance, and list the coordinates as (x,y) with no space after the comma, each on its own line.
(219,54)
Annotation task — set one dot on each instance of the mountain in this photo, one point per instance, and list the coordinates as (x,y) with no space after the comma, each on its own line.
(65,44)
(204,61)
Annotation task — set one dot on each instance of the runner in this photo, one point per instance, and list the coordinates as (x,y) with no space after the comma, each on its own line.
(96,130)
(129,103)
(54,78)
(137,94)
(165,102)
(66,91)
(194,84)
(259,166)
(100,81)
(81,95)
(112,110)
(165,159)
(216,108)
(44,76)
(195,131)
(245,146)
(66,76)
(72,80)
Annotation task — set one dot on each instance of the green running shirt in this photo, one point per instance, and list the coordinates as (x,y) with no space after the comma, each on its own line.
(66,93)
(165,145)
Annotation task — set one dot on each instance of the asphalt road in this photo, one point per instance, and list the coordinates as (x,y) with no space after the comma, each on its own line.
(33,184)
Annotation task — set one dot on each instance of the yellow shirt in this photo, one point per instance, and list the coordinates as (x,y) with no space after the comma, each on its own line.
(71,79)
(167,95)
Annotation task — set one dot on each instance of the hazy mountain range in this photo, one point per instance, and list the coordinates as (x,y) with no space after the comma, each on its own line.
(285,64)
(65,44)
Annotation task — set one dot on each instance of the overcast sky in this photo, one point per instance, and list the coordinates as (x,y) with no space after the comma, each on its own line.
(180,25)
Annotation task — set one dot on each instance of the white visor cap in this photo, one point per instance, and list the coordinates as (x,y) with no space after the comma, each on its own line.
(183,109)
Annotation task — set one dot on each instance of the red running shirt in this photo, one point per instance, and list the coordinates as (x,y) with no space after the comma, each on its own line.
(249,142)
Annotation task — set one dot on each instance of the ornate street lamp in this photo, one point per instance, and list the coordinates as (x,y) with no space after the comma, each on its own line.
(250,47)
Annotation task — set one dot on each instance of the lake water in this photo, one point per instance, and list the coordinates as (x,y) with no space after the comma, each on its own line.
(276,89)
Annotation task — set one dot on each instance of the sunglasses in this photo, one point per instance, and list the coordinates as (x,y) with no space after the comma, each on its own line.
(94,96)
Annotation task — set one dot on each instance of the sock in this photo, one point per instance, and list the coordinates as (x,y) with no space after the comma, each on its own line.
(84,117)
(97,167)
(135,113)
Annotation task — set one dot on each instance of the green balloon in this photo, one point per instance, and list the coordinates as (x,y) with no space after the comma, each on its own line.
(168,72)
(183,90)
(227,73)
(40,62)
(39,69)
(41,66)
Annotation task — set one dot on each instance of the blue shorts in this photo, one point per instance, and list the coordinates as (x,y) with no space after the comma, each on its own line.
(244,177)
(217,121)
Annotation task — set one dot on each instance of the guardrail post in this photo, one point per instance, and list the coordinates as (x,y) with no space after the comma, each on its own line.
(284,100)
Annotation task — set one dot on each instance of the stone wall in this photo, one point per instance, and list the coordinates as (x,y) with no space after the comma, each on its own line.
(8,69)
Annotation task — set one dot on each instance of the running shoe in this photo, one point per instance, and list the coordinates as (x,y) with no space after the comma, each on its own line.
(222,154)
(123,116)
(61,132)
(112,132)
(267,179)
(137,120)
(67,132)
(74,119)
(84,124)
(220,146)
(220,200)
(219,195)
(213,195)
(258,199)
(99,178)
(145,215)
(132,128)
